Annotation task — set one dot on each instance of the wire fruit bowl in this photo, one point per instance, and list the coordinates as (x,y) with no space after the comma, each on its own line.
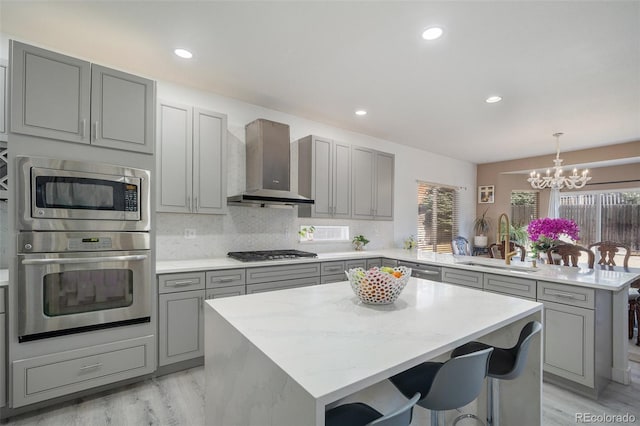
(378,286)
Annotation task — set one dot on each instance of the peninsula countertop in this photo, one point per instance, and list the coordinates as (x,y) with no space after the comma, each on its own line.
(332,345)
(600,277)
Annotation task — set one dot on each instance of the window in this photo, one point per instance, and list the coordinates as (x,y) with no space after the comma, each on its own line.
(323,233)
(610,216)
(524,207)
(437,217)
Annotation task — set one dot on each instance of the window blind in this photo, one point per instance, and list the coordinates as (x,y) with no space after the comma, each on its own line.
(437,217)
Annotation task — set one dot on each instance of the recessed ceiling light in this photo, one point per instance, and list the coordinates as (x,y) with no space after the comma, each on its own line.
(493,99)
(183,53)
(361,112)
(432,33)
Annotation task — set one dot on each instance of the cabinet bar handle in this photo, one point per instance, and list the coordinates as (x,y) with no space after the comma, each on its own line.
(223,280)
(90,367)
(189,203)
(83,128)
(197,203)
(181,283)
(335,268)
(95,130)
(561,294)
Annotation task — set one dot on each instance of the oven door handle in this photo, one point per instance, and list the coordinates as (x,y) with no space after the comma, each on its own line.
(83,260)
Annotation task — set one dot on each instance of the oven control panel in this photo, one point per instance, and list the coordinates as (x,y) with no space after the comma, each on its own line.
(92,243)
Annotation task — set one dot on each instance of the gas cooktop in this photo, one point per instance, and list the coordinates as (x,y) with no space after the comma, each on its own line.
(252,256)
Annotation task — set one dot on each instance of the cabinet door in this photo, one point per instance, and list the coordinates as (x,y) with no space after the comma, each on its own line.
(341,182)
(362,173)
(209,162)
(50,94)
(3,100)
(384,186)
(569,342)
(122,110)
(321,171)
(181,330)
(174,158)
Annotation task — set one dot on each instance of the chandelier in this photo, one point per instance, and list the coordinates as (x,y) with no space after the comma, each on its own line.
(557,180)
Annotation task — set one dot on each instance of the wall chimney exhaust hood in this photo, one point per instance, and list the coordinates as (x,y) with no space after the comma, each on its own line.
(268,167)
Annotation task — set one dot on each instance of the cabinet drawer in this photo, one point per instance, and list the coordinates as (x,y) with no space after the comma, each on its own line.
(510,285)
(332,268)
(352,264)
(216,293)
(566,294)
(280,273)
(169,283)
(280,285)
(226,278)
(392,263)
(376,261)
(336,278)
(462,277)
(50,376)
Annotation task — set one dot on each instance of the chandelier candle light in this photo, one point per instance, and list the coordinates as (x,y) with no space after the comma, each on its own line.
(557,181)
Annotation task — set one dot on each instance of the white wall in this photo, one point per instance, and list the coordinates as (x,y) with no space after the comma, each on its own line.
(247,228)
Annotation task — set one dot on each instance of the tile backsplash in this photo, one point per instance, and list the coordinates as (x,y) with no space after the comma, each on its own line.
(250,228)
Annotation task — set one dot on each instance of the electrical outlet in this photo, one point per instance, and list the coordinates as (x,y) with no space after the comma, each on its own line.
(189,233)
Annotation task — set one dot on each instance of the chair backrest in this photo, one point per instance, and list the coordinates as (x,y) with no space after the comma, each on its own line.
(569,253)
(458,382)
(496,250)
(460,245)
(401,416)
(608,250)
(521,349)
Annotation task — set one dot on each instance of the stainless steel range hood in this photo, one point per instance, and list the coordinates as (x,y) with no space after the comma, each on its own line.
(268,167)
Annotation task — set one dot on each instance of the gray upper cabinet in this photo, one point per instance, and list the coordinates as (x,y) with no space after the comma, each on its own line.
(60,97)
(191,157)
(372,183)
(122,107)
(3,99)
(324,175)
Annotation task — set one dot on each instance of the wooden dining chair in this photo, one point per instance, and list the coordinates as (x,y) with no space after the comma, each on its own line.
(496,250)
(569,254)
(608,251)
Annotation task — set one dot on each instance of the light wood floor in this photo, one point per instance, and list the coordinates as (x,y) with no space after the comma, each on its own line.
(177,399)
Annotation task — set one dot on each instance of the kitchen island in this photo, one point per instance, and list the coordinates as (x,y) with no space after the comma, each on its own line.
(282,357)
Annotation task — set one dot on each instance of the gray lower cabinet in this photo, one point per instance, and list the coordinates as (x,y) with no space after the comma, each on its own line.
(392,263)
(49,376)
(269,278)
(180,317)
(2,348)
(225,283)
(373,262)
(462,277)
(181,326)
(60,97)
(577,334)
(332,272)
(352,264)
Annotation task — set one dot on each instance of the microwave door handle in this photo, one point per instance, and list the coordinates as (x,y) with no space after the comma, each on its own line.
(84,260)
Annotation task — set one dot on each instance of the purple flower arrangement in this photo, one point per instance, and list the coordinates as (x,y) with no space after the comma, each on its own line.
(545,232)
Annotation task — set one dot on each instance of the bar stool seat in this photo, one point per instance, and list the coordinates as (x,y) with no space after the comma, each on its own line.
(446,386)
(361,414)
(504,364)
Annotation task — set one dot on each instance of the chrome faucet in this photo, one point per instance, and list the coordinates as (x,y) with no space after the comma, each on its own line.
(507,243)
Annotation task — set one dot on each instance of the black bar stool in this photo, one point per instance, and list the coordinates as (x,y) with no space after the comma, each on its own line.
(504,364)
(360,414)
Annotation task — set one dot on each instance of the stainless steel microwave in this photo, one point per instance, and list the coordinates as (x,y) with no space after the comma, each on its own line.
(65,195)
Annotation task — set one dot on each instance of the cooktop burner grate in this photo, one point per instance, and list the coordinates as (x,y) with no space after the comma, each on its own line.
(252,256)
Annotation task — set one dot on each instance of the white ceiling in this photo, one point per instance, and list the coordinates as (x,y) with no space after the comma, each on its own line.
(568,66)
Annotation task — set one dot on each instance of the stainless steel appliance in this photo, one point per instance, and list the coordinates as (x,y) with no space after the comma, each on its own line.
(420,270)
(71,282)
(268,148)
(63,195)
(253,256)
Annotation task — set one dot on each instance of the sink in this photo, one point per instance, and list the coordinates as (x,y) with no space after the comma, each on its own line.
(504,267)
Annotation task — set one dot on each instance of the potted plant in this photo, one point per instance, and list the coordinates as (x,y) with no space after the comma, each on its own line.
(306,233)
(481,226)
(359,241)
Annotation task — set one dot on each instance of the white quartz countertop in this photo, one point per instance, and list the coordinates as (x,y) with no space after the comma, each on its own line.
(599,278)
(4,277)
(330,343)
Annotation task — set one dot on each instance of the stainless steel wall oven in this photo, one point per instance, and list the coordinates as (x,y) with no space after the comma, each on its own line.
(70,282)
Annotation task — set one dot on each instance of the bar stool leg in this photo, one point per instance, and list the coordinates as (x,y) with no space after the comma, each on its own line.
(493,401)
(435,418)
